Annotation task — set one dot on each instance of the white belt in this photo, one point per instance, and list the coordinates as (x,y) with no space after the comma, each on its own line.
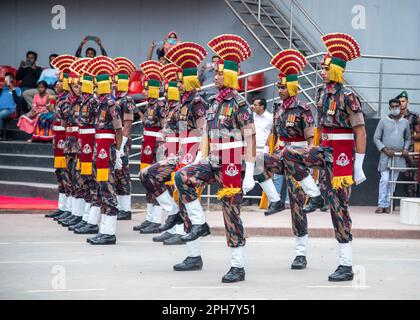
(72,129)
(172,139)
(297,144)
(153,134)
(87,131)
(189,140)
(59,128)
(226,145)
(337,136)
(105,136)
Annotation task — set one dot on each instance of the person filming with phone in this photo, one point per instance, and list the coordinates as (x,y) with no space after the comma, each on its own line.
(28,71)
(90,52)
(9,98)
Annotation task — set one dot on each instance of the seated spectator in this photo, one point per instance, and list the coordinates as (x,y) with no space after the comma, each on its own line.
(28,71)
(49,75)
(391,135)
(44,127)
(90,52)
(9,98)
(27,122)
(170,41)
(206,75)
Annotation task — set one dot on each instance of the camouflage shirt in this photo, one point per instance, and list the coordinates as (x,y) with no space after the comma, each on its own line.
(338,107)
(153,113)
(108,114)
(171,115)
(193,107)
(66,112)
(127,107)
(87,112)
(414,121)
(292,120)
(57,113)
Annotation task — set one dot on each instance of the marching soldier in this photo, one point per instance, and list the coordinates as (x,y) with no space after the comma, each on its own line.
(293,127)
(341,118)
(127,106)
(62,63)
(229,129)
(153,139)
(108,138)
(182,131)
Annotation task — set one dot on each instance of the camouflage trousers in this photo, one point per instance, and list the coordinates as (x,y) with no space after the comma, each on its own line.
(269,164)
(122,176)
(193,176)
(298,164)
(107,189)
(62,178)
(72,174)
(154,178)
(411,175)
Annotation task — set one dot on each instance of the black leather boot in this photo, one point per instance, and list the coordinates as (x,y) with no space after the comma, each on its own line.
(234,275)
(174,240)
(197,231)
(54,214)
(78,225)
(124,215)
(69,217)
(101,239)
(64,215)
(144,224)
(299,263)
(171,221)
(275,207)
(70,222)
(313,204)
(162,237)
(343,273)
(190,264)
(151,228)
(324,206)
(87,229)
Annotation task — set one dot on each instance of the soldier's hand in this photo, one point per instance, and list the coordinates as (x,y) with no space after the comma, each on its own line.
(118,161)
(248,183)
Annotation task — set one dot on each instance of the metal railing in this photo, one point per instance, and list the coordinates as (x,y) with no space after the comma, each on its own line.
(393,182)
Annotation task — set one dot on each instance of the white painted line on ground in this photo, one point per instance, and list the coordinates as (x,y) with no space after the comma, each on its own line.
(64,290)
(337,286)
(5,242)
(226,287)
(50,242)
(41,261)
(392,259)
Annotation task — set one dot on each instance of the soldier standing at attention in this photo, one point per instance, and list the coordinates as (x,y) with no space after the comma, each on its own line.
(229,129)
(340,117)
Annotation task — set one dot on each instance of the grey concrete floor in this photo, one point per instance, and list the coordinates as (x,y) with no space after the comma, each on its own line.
(41,260)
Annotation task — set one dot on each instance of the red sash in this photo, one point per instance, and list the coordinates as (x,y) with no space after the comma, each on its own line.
(87,142)
(231,158)
(59,142)
(104,140)
(149,143)
(342,155)
(189,148)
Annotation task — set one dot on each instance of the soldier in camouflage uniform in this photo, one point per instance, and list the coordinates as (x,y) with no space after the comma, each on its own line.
(64,200)
(230,129)
(153,120)
(414,121)
(127,106)
(108,138)
(339,114)
(182,132)
(293,127)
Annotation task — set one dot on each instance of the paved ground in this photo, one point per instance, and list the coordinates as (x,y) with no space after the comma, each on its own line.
(41,260)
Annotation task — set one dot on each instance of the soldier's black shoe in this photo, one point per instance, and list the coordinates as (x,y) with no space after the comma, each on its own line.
(151,228)
(313,204)
(171,221)
(87,229)
(162,237)
(275,207)
(324,206)
(73,227)
(174,240)
(190,264)
(102,239)
(124,215)
(234,275)
(343,273)
(70,222)
(144,224)
(69,217)
(197,231)
(64,215)
(299,263)
(54,214)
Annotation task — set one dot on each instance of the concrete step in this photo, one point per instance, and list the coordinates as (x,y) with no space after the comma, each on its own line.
(21,147)
(27,174)
(11,159)
(16,134)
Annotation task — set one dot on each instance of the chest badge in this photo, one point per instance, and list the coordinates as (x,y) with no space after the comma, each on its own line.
(290,120)
(332,108)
